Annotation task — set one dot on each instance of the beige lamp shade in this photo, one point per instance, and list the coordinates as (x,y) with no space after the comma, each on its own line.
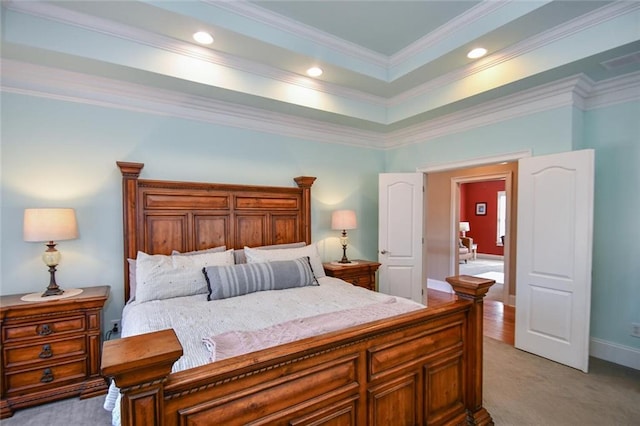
(464,227)
(343,219)
(50,225)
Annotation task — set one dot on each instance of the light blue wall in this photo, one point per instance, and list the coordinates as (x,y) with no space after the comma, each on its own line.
(63,154)
(614,133)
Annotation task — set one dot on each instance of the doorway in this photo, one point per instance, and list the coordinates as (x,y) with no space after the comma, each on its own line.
(482,212)
(442,231)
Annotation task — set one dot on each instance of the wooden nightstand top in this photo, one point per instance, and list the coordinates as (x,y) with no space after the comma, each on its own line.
(12,302)
(359,263)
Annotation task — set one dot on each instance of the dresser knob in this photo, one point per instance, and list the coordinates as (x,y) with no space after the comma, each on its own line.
(45,330)
(46,352)
(47,376)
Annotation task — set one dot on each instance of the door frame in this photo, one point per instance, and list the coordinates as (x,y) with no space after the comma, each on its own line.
(465,164)
(454,265)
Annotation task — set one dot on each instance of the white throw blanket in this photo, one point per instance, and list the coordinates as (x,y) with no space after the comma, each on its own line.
(193,318)
(233,343)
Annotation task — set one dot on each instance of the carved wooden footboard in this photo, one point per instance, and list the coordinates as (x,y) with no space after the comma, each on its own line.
(423,367)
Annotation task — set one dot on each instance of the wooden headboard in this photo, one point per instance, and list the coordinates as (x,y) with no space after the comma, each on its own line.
(160,216)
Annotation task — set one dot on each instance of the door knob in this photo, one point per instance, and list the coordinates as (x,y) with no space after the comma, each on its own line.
(384,252)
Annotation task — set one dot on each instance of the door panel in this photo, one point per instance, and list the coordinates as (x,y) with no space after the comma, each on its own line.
(553,286)
(400,234)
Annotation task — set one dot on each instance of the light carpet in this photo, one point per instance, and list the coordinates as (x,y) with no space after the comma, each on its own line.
(524,389)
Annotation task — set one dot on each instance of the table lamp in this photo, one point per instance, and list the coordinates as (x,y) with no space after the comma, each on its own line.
(464,228)
(50,225)
(344,219)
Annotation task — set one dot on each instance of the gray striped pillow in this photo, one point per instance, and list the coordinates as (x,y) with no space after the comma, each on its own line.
(236,280)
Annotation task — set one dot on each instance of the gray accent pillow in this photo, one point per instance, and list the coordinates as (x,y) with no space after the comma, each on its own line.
(244,278)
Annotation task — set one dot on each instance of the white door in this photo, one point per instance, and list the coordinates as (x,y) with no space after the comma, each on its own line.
(553,282)
(400,234)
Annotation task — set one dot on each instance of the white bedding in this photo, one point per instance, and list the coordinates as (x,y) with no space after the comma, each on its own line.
(194,318)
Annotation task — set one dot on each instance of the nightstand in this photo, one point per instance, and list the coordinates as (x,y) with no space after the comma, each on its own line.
(51,350)
(362,273)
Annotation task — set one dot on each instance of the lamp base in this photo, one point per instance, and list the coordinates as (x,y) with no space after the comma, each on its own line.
(52,289)
(53,292)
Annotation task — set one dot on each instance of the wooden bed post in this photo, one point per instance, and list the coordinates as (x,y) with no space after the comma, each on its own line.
(140,366)
(130,174)
(474,289)
(305,183)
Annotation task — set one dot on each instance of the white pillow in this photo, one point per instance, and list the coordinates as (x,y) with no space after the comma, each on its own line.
(163,277)
(260,256)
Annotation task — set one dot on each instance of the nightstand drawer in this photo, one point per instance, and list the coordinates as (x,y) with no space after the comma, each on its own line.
(359,280)
(44,351)
(44,328)
(46,376)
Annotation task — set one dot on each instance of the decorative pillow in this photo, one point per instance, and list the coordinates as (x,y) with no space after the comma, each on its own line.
(132,267)
(240,257)
(132,279)
(244,278)
(163,277)
(209,250)
(311,251)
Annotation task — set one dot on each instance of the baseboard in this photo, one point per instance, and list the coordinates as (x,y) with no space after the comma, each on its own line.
(490,256)
(614,352)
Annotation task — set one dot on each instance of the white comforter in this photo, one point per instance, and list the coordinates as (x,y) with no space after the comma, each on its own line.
(194,318)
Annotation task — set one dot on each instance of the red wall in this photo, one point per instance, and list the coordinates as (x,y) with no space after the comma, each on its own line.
(483,228)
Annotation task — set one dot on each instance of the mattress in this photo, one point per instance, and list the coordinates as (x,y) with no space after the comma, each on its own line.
(196,321)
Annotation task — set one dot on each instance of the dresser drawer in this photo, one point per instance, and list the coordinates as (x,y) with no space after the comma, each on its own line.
(46,376)
(44,328)
(44,351)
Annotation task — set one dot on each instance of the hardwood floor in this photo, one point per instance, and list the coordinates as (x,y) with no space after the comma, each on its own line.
(499,319)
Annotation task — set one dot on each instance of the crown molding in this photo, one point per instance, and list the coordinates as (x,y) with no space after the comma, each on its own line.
(457,24)
(542,98)
(138,36)
(524,47)
(614,91)
(577,91)
(49,83)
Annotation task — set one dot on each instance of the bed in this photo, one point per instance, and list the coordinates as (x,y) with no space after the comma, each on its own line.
(412,365)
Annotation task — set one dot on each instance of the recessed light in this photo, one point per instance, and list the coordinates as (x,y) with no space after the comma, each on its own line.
(203,37)
(476,53)
(314,72)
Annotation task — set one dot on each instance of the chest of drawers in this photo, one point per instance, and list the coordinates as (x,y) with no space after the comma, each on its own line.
(50,349)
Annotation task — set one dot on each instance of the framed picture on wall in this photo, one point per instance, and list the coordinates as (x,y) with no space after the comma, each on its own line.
(481,209)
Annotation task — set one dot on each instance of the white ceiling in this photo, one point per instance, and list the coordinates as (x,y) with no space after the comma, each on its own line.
(387,64)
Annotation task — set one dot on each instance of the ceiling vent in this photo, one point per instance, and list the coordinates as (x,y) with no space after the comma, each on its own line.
(621,61)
